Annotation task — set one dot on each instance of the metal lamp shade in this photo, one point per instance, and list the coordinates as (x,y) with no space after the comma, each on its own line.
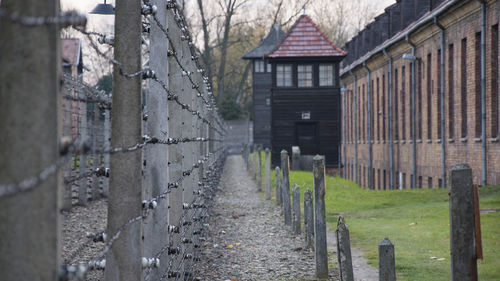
(103,9)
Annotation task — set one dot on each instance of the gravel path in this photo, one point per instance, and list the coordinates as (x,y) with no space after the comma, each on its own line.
(247,239)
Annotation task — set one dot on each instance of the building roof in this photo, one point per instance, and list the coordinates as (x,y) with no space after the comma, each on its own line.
(273,38)
(71,51)
(306,39)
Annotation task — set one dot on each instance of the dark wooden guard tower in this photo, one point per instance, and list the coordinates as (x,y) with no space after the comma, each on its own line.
(305,95)
(262,86)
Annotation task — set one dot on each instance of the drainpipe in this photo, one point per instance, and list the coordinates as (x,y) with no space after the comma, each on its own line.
(343,95)
(370,139)
(391,160)
(441,94)
(483,92)
(413,98)
(355,127)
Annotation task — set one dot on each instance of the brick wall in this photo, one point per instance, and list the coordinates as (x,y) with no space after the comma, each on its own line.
(462,24)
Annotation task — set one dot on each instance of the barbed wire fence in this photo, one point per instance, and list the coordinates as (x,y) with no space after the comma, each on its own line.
(158,138)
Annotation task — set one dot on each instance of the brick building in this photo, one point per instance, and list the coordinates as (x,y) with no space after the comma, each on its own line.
(421,94)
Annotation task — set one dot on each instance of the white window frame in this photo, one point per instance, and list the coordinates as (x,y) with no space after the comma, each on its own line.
(283,75)
(326,75)
(305,75)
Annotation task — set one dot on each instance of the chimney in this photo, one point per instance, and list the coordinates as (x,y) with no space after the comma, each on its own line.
(394,13)
(423,6)
(407,12)
(435,3)
(383,26)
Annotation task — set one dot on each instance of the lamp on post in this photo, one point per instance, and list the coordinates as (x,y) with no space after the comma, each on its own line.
(103,9)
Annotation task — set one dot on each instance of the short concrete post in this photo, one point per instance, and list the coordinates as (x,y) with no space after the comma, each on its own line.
(259,168)
(254,171)
(386,261)
(278,187)
(309,219)
(268,175)
(463,259)
(320,217)
(285,187)
(296,209)
(295,158)
(344,251)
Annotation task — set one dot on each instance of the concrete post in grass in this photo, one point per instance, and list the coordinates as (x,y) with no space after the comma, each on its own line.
(295,158)
(254,171)
(344,251)
(320,217)
(386,261)
(278,187)
(309,219)
(268,175)
(285,187)
(463,258)
(296,209)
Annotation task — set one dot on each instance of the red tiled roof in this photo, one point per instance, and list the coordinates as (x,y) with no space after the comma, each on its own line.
(70,51)
(306,39)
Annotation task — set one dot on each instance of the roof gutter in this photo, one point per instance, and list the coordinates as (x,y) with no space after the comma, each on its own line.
(400,36)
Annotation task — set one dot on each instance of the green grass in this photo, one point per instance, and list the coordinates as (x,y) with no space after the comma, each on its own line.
(416,221)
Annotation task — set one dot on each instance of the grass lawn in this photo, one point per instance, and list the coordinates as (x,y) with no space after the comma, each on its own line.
(416,221)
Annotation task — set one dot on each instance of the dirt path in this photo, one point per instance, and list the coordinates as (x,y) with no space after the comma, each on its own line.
(247,239)
(362,270)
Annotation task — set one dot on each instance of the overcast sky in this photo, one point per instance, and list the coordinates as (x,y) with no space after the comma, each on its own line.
(96,22)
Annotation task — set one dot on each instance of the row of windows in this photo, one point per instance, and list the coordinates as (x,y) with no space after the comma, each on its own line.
(381,178)
(305,75)
(401,96)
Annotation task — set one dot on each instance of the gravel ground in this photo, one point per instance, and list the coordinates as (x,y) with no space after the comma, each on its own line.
(247,238)
(77,225)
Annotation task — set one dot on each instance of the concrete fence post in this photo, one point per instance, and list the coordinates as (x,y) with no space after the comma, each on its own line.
(386,261)
(95,188)
(155,164)
(320,217)
(295,158)
(259,168)
(462,224)
(254,171)
(268,175)
(30,66)
(175,152)
(296,209)
(83,182)
(123,261)
(106,146)
(279,200)
(344,251)
(68,168)
(309,219)
(285,187)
